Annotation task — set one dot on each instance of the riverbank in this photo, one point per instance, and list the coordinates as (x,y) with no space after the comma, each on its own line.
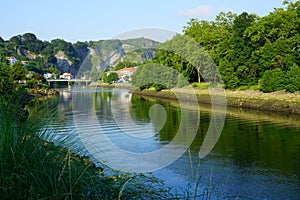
(251,99)
(100,84)
(279,101)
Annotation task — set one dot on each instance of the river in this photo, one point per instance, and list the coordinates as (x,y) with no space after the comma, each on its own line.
(256,157)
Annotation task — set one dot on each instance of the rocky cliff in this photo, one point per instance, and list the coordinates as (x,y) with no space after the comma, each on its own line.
(110,52)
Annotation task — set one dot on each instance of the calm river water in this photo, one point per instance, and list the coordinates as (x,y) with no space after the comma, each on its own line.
(256,157)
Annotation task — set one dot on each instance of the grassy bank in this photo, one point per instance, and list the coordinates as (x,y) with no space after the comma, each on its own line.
(252,99)
(32,168)
(100,84)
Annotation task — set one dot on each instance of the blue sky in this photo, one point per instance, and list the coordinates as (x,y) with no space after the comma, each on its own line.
(78,20)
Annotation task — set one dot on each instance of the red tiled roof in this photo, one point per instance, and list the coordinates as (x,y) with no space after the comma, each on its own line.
(128,69)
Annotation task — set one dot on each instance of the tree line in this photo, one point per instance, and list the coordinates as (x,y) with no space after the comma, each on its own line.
(250,52)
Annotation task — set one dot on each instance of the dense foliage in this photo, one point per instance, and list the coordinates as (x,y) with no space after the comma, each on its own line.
(157,76)
(249,51)
(125,64)
(110,78)
(7,84)
(15,78)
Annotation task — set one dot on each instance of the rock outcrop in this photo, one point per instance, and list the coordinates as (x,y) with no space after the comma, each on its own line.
(64,64)
(111,52)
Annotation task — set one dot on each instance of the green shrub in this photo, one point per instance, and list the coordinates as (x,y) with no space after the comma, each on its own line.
(155,75)
(273,80)
(254,87)
(112,77)
(195,85)
(7,84)
(231,82)
(243,87)
(202,85)
(293,79)
(291,88)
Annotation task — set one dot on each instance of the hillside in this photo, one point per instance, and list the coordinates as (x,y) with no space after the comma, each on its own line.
(44,56)
(112,51)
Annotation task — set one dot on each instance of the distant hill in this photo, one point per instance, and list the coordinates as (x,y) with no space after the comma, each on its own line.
(43,56)
(110,52)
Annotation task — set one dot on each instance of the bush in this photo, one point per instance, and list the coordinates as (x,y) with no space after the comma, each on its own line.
(194,85)
(291,88)
(254,87)
(110,78)
(201,85)
(247,87)
(7,84)
(243,87)
(231,82)
(293,79)
(273,80)
(155,75)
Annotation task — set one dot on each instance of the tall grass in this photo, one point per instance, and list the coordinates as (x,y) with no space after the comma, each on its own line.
(32,168)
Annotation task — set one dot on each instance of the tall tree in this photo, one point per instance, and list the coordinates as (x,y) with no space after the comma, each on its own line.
(7,84)
(18,71)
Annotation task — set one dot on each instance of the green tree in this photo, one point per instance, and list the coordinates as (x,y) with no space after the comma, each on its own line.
(18,71)
(55,72)
(1,45)
(125,64)
(276,40)
(110,77)
(196,56)
(155,75)
(29,37)
(16,40)
(104,78)
(273,80)
(228,75)
(7,84)
(293,79)
(176,62)
(242,49)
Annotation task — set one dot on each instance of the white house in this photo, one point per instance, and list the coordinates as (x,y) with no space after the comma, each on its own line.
(125,73)
(66,76)
(48,75)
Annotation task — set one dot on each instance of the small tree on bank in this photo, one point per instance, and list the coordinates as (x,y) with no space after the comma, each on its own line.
(110,78)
